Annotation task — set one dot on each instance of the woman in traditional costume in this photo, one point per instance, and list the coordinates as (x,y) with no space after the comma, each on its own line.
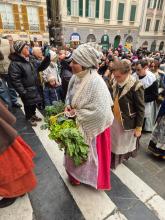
(157,142)
(128,95)
(16,165)
(89,98)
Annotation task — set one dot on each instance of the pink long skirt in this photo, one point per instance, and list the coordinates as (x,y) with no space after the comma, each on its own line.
(103,144)
(96,171)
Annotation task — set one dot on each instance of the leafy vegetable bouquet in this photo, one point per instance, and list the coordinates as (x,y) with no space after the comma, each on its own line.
(65,132)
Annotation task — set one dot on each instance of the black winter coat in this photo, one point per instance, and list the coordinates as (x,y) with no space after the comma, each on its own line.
(66,74)
(25,78)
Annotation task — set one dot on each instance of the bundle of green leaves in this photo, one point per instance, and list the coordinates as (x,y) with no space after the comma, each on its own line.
(65,132)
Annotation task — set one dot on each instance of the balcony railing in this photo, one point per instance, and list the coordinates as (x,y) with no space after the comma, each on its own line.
(91,20)
(34,28)
(106,21)
(131,22)
(8,27)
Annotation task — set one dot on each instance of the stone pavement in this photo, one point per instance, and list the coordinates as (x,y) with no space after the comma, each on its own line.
(148,167)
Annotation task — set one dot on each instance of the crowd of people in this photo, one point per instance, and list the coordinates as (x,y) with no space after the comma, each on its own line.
(115,95)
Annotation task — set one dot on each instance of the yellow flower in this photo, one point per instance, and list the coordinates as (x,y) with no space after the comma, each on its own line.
(53,120)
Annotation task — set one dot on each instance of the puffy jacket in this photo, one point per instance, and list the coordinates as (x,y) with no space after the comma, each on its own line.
(25,78)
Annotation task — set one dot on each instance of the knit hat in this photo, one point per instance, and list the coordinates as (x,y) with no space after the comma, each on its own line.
(51,77)
(86,55)
(68,57)
(19,45)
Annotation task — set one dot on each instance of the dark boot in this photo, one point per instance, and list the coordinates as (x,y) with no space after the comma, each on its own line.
(5,202)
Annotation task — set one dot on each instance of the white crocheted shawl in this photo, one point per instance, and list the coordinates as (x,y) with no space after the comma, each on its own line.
(92,101)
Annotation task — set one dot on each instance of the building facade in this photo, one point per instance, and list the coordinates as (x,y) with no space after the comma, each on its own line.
(26,20)
(104,21)
(152,29)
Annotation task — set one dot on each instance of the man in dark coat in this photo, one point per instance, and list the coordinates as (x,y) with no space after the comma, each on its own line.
(25,79)
(66,72)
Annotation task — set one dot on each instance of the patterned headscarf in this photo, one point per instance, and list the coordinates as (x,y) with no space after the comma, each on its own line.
(19,45)
(87,56)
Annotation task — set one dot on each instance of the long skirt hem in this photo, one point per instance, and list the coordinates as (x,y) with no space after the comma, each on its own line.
(117,159)
(16,170)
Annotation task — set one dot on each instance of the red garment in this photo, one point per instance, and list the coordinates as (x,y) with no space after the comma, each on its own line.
(16,169)
(103,144)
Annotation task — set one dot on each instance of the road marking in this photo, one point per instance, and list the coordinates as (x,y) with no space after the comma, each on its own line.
(20,210)
(116,216)
(92,203)
(144,192)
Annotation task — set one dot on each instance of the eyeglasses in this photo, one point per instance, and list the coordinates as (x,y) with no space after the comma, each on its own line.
(152,66)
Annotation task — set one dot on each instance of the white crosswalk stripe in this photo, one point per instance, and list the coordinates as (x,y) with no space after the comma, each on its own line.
(106,209)
(20,210)
(145,193)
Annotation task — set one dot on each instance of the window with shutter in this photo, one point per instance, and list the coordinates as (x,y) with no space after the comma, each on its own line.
(157,25)
(68,7)
(74,7)
(120,11)
(97,8)
(25,17)
(133,13)
(87,8)
(41,19)
(16,17)
(80,7)
(33,18)
(92,9)
(149,4)
(152,3)
(6,11)
(107,9)
(148,24)
(155,2)
(160,4)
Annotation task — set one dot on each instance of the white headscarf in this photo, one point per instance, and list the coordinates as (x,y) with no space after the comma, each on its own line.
(87,56)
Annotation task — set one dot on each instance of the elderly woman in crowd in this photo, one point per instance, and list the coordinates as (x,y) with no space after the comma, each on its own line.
(16,165)
(157,142)
(128,95)
(89,98)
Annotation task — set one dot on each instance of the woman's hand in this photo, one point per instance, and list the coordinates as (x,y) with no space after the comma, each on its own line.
(70,112)
(68,108)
